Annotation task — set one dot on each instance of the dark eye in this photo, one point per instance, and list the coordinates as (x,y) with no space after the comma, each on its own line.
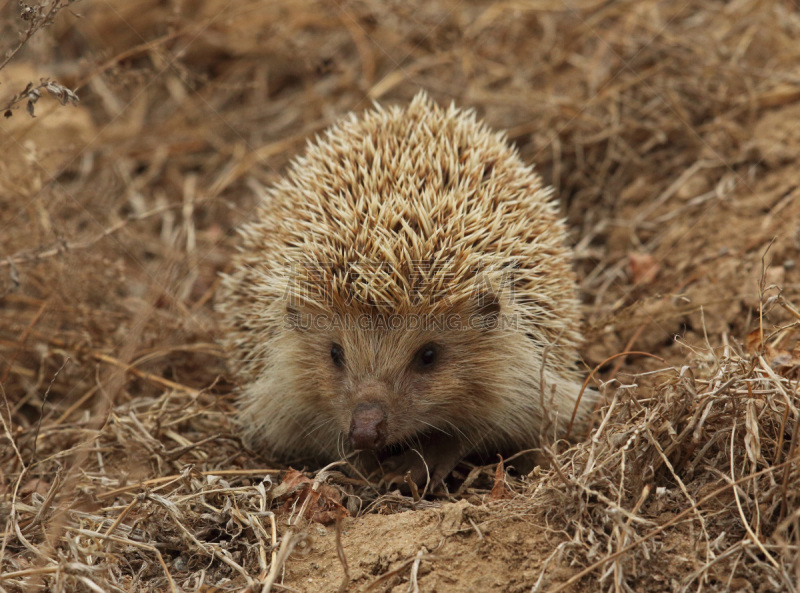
(427,355)
(337,355)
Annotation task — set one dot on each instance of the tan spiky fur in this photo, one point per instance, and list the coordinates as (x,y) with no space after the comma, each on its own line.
(408,214)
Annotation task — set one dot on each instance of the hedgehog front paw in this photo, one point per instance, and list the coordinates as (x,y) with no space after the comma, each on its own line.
(428,465)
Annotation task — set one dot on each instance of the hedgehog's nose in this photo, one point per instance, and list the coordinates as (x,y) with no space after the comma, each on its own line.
(368,426)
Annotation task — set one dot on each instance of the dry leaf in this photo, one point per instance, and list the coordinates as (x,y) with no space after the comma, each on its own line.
(499,490)
(324,501)
(643,267)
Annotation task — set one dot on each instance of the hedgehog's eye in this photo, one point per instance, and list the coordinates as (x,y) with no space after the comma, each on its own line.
(337,355)
(427,356)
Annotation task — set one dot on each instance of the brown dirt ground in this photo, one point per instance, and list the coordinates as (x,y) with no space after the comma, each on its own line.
(671,131)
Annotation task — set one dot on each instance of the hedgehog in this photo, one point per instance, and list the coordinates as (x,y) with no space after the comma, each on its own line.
(405,290)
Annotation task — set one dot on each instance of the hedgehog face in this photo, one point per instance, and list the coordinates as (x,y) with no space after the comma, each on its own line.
(399,379)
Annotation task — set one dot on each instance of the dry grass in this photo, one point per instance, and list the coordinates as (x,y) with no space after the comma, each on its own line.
(666,128)
(721,448)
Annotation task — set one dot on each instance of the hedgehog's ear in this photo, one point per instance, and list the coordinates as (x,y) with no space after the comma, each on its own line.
(296,318)
(487,311)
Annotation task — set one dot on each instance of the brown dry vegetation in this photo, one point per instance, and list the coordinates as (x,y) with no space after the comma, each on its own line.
(671,131)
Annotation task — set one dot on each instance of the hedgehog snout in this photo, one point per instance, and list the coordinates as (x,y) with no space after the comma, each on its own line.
(368,426)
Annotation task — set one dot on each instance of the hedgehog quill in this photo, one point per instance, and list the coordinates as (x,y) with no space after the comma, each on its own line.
(405,290)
